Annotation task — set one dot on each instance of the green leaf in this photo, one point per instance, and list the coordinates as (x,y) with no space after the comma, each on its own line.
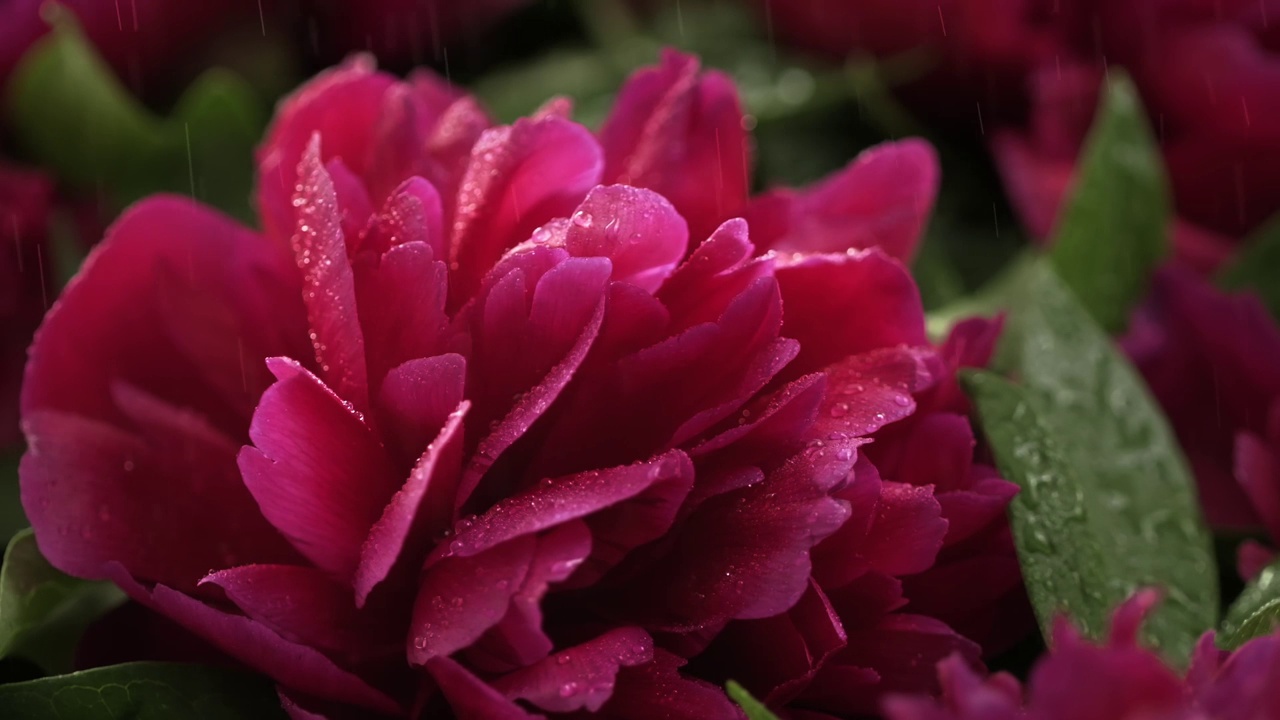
(42,611)
(1257,266)
(1255,613)
(1059,549)
(72,114)
(1136,487)
(143,691)
(12,518)
(1113,229)
(754,709)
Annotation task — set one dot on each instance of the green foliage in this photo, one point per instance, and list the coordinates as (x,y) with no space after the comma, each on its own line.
(143,691)
(42,611)
(1255,613)
(70,113)
(1059,549)
(1135,486)
(1257,266)
(754,709)
(1112,229)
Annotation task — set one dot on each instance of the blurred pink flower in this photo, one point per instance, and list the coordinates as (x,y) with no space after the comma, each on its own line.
(1120,680)
(467,426)
(26,281)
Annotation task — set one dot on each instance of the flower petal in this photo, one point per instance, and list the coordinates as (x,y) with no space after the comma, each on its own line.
(638,230)
(581,677)
(315,469)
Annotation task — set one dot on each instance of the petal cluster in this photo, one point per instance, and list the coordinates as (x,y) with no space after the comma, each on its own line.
(503,420)
(1209,358)
(1120,680)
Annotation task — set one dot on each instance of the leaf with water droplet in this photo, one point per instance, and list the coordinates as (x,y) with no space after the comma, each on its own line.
(1134,482)
(754,709)
(1059,550)
(144,691)
(73,115)
(1255,613)
(1111,232)
(1257,266)
(42,611)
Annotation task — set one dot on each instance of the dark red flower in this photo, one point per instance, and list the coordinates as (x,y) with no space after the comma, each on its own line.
(468,430)
(1209,358)
(1207,72)
(1117,681)
(26,281)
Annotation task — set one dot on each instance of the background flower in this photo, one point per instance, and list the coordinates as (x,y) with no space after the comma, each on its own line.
(26,277)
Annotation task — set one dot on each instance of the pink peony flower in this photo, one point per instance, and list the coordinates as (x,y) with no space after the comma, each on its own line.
(1117,681)
(26,282)
(1206,72)
(1209,358)
(468,429)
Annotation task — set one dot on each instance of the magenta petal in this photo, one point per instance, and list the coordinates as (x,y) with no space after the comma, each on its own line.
(471,697)
(841,305)
(417,397)
(661,482)
(968,511)
(328,282)
(745,554)
(769,427)
(80,479)
(1258,472)
(353,205)
(206,301)
(462,597)
(315,469)
(881,199)
(401,296)
(907,532)
(638,230)
(342,105)
(295,666)
(305,606)
(422,508)
(868,391)
(412,213)
(519,639)
(656,689)
(681,135)
(717,271)
(937,450)
(579,677)
(519,177)
(1252,558)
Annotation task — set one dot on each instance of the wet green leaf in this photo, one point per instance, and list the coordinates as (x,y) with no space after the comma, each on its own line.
(42,611)
(1257,266)
(1135,484)
(143,691)
(1112,231)
(1255,613)
(754,709)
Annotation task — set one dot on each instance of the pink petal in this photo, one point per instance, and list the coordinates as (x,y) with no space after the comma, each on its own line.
(305,606)
(297,667)
(328,281)
(1037,184)
(342,105)
(771,425)
(400,296)
(519,177)
(417,397)
(519,639)
(937,450)
(655,489)
(1252,558)
(80,480)
(636,229)
(745,554)
(1258,472)
(471,697)
(657,689)
(462,597)
(420,510)
(841,305)
(352,203)
(881,199)
(206,301)
(680,133)
(315,469)
(581,677)
(719,270)
(969,511)
(868,391)
(907,532)
(412,213)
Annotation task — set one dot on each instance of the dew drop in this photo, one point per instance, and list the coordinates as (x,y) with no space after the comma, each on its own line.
(568,689)
(562,659)
(902,400)
(583,219)
(839,410)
